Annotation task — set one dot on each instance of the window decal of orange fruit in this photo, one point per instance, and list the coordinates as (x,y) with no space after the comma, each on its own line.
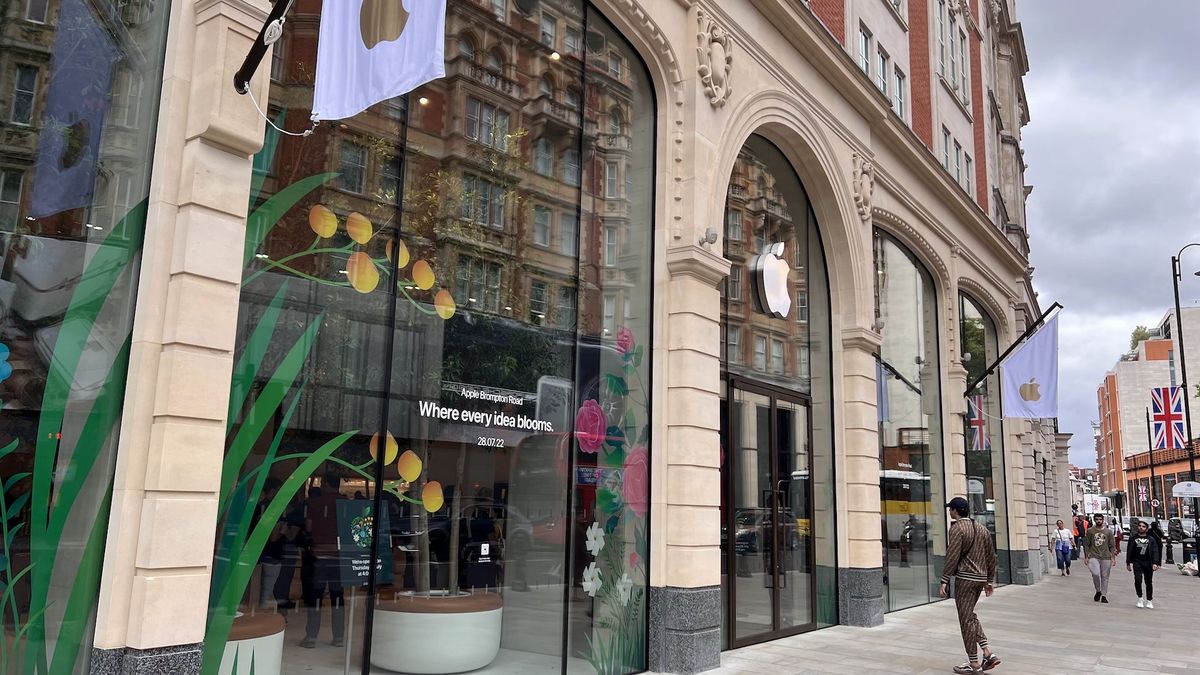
(431,496)
(359,227)
(322,221)
(443,303)
(422,275)
(409,466)
(361,272)
(389,453)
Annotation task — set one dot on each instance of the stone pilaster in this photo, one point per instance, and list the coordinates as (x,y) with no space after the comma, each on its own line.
(1015,472)
(685,594)
(860,581)
(154,589)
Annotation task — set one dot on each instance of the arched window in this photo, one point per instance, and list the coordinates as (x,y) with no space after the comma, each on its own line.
(495,61)
(546,86)
(982,432)
(912,478)
(466,47)
(616,123)
(543,157)
(570,166)
(775,333)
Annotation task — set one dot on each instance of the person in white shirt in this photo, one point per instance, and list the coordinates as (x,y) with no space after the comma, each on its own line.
(1062,540)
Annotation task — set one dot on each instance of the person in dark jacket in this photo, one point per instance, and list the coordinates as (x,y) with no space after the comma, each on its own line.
(1156,531)
(1143,555)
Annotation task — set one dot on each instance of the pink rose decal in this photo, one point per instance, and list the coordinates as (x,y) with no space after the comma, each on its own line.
(633,559)
(591,426)
(636,490)
(624,340)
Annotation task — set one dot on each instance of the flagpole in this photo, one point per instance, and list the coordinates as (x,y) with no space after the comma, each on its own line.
(1176,276)
(1016,343)
(1150,449)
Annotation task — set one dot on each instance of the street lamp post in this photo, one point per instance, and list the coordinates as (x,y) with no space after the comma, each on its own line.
(1187,394)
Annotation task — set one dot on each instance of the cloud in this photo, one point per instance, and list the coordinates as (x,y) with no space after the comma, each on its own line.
(1111,150)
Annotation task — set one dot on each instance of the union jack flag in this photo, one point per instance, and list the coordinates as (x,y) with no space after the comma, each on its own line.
(1167,413)
(977,436)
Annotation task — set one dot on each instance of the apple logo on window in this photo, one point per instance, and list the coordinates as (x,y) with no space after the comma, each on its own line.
(772,292)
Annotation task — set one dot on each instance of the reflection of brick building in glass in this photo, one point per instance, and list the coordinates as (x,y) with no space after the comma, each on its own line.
(757,215)
(500,149)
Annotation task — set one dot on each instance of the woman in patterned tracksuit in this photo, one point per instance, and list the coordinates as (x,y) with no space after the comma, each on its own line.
(971,562)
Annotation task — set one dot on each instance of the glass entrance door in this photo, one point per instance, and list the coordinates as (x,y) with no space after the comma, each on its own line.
(767,510)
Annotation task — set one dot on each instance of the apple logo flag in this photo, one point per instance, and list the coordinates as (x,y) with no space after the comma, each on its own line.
(80,76)
(372,50)
(1029,376)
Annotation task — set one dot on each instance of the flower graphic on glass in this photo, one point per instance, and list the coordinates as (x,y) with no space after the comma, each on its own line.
(624,588)
(6,369)
(592,583)
(360,530)
(591,426)
(624,340)
(635,490)
(364,272)
(595,539)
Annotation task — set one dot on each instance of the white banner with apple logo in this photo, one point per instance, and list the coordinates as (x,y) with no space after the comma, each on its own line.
(373,50)
(1029,376)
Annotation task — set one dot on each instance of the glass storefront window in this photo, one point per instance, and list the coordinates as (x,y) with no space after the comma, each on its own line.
(983,431)
(82,98)
(912,478)
(439,445)
(778,537)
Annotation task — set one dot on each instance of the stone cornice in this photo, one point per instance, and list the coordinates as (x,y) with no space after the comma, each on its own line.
(862,339)
(245,14)
(697,262)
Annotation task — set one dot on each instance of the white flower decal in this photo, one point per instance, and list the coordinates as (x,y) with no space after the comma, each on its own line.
(595,539)
(591,580)
(624,589)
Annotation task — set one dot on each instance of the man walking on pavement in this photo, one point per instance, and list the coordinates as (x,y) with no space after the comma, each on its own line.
(1099,549)
(971,562)
(1079,524)
(1143,555)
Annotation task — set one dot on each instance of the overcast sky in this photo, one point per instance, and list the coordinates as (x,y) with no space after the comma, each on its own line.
(1112,150)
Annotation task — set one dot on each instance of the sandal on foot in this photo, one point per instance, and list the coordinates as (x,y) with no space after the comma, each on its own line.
(967,669)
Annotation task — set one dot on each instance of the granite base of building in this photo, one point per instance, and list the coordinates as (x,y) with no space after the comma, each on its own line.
(685,629)
(1022,573)
(860,596)
(176,660)
(1037,564)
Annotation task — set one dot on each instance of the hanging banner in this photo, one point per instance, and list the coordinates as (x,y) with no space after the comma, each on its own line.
(369,51)
(1030,375)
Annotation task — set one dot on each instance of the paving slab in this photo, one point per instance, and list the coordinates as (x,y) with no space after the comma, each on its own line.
(1050,627)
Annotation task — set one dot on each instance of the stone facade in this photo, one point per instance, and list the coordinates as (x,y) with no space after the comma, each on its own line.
(781,72)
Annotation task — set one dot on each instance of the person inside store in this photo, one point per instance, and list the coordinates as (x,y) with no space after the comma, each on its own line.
(321,523)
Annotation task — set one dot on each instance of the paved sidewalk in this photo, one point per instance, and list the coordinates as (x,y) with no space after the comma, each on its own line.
(1050,627)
